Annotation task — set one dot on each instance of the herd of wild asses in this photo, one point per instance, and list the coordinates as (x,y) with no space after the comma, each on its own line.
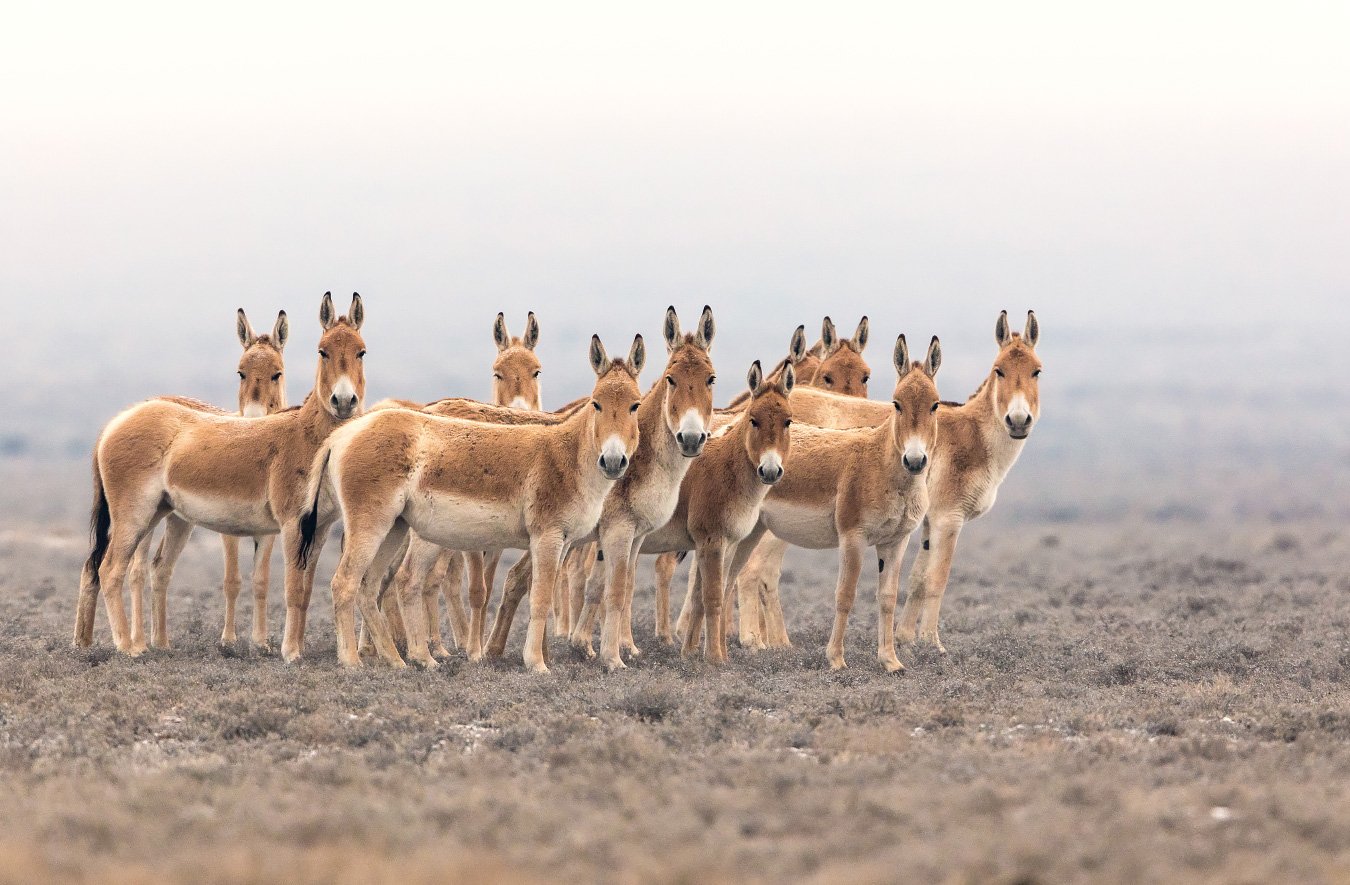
(430,494)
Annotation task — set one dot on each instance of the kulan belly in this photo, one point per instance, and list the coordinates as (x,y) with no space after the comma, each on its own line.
(809,527)
(225,515)
(467,524)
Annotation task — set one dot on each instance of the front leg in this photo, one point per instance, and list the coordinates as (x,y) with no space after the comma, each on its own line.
(945,536)
(176,533)
(262,579)
(665,574)
(712,573)
(907,625)
(546,550)
(293,583)
(889,557)
(626,641)
(615,543)
(230,587)
(851,550)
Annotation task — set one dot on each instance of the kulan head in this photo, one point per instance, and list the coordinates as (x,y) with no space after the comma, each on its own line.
(689,381)
(914,425)
(340,384)
(614,405)
(262,379)
(1016,376)
(515,371)
(842,367)
(768,418)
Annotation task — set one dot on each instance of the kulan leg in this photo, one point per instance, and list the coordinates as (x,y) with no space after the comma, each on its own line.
(626,641)
(546,550)
(391,552)
(583,626)
(449,577)
(136,581)
(125,536)
(262,579)
(757,594)
(907,624)
(712,574)
(615,544)
(478,602)
(943,551)
(176,534)
(850,567)
(664,570)
(889,557)
(515,587)
(293,582)
(230,586)
(690,623)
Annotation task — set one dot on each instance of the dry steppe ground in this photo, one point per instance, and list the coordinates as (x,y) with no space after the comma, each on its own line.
(1142,698)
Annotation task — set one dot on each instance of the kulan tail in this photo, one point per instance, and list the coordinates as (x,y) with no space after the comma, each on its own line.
(100,523)
(309,518)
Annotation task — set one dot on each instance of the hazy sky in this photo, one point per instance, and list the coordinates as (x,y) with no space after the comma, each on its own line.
(928,164)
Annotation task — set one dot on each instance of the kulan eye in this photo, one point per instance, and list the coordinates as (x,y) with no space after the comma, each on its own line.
(896,403)
(496,376)
(670,379)
(998,372)
(596,404)
(323,354)
(1036,374)
(634,407)
(241,376)
(712,379)
(754,423)
(536,373)
(276,377)
(935,407)
(361,355)
(787,423)
(867,378)
(829,380)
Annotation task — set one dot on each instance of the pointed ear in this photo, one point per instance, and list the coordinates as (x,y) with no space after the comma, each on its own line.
(860,336)
(531,332)
(933,361)
(499,333)
(789,378)
(1033,330)
(281,331)
(754,377)
(244,330)
(357,314)
(901,356)
(1002,334)
(599,359)
(797,347)
(327,316)
(670,329)
(637,354)
(704,336)
(828,336)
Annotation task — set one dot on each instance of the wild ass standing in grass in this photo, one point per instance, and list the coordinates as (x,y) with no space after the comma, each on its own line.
(468,485)
(674,417)
(515,384)
(721,496)
(978,443)
(240,476)
(860,488)
(262,391)
(830,374)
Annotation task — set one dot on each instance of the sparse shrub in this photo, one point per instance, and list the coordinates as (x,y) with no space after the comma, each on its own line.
(648,704)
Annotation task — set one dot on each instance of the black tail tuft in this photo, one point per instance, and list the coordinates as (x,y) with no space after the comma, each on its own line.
(309,520)
(100,522)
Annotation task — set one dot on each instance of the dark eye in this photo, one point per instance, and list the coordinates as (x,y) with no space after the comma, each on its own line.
(829,380)
(712,379)
(323,354)
(670,380)
(634,407)
(241,376)
(896,403)
(754,423)
(276,377)
(1036,374)
(867,378)
(361,355)
(935,405)
(596,404)
(998,372)
(496,376)
(536,373)
(787,423)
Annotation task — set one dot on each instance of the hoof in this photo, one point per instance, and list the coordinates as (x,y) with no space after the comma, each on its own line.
(264,648)
(892,666)
(633,651)
(584,649)
(838,664)
(440,652)
(616,664)
(294,657)
(137,650)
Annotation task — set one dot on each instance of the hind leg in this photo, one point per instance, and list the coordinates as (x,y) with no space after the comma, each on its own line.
(136,579)
(478,600)
(449,578)
(126,535)
(230,587)
(262,578)
(176,533)
(665,574)
(391,550)
(513,591)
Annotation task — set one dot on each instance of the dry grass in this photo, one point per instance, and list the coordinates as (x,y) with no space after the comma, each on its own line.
(1128,701)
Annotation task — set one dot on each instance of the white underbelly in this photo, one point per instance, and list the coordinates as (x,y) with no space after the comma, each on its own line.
(225,515)
(809,527)
(670,538)
(467,523)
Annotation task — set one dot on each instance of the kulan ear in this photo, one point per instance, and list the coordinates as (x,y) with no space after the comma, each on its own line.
(1033,330)
(599,359)
(281,331)
(797,347)
(901,356)
(755,377)
(706,329)
(244,330)
(327,316)
(860,336)
(1002,334)
(531,332)
(357,315)
(637,354)
(828,336)
(670,329)
(933,361)
(499,333)
(789,378)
